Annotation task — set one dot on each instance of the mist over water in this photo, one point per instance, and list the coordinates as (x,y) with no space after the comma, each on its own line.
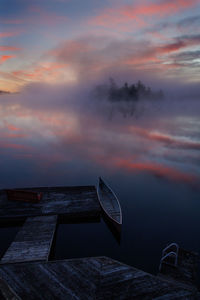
(51,134)
(63,135)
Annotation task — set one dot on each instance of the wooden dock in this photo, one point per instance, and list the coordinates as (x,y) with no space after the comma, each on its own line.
(67,202)
(33,241)
(87,278)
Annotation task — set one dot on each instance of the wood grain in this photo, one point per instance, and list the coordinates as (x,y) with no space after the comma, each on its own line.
(88,278)
(33,241)
(70,202)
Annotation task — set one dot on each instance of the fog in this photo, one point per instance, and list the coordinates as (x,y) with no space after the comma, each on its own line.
(51,131)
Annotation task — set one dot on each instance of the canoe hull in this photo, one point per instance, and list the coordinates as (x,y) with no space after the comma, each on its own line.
(110,221)
(105,194)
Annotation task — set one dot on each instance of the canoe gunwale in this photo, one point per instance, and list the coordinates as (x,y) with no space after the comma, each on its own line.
(101,204)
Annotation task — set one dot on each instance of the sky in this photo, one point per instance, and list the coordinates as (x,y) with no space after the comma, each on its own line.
(64,41)
(52,55)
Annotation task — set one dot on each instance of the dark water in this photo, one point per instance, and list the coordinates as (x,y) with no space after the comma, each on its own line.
(7,234)
(152,217)
(155,212)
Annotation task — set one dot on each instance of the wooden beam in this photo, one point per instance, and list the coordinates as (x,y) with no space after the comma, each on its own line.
(33,241)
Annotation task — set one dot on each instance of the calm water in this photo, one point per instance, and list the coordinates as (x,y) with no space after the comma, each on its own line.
(152,217)
(151,161)
(155,212)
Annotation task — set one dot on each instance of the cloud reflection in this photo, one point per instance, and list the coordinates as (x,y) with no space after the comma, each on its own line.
(74,129)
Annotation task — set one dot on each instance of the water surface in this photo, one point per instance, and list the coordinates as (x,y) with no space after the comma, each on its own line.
(150,159)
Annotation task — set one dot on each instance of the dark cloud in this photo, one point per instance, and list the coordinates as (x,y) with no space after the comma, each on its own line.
(191,159)
(187,55)
(191,38)
(189,21)
(188,24)
(187,59)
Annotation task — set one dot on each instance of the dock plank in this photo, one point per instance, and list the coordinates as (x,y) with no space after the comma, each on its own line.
(70,202)
(97,278)
(33,241)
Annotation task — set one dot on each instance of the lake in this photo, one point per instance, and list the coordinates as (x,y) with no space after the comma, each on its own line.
(151,161)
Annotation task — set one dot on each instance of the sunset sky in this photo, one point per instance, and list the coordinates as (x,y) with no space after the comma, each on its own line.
(57,41)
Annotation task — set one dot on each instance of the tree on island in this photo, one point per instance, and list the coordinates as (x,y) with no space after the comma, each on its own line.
(127,93)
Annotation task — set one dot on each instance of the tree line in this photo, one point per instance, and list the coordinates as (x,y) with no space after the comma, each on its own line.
(129,93)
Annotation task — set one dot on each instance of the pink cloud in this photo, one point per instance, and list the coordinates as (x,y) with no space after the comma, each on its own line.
(138,12)
(156,54)
(5,145)
(157,170)
(166,139)
(8,34)
(177,45)
(11,131)
(93,55)
(13,135)
(9,48)
(41,72)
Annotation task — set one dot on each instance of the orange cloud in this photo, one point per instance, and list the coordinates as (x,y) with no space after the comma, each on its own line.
(124,14)
(46,72)
(11,127)
(3,58)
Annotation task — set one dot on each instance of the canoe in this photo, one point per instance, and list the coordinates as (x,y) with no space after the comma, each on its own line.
(110,204)
(23,195)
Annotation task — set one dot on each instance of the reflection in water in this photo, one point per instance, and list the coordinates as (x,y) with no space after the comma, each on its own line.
(116,233)
(7,235)
(152,162)
(75,134)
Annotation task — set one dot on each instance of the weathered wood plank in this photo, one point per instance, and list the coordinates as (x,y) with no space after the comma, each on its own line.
(70,202)
(33,241)
(88,278)
(6,292)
